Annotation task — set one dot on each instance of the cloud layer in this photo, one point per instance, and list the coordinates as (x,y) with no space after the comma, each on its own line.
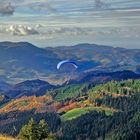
(70,21)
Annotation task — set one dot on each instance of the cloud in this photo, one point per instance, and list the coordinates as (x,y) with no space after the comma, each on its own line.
(21,30)
(6,8)
(87,31)
(38,26)
(99,4)
(39,29)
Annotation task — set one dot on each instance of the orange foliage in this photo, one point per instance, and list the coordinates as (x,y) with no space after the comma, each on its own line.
(26,103)
(69,106)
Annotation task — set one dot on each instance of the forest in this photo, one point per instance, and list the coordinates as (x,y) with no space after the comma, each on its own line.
(109,111)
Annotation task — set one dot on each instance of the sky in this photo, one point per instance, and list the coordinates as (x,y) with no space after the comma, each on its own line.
(69,22)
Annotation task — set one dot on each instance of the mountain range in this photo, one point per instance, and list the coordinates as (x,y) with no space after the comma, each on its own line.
(39,87)
(21,61)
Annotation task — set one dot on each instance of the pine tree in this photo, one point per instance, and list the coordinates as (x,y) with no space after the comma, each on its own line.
(34,131)
(26,131)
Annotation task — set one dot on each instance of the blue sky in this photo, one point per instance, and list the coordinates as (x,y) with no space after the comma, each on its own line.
(68,22)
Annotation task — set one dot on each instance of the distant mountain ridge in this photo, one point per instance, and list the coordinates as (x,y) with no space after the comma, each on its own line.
(29,88)
(97,77)
(21,61)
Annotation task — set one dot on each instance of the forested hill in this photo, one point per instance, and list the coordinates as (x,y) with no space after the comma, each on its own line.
(80,111)
(123,99)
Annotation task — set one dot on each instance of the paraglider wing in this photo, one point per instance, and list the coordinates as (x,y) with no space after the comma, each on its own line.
(65,62)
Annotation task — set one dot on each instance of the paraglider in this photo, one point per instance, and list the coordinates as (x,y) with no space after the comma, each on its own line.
(67,62)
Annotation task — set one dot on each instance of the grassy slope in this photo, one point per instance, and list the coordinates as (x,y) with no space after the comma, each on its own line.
(73,114)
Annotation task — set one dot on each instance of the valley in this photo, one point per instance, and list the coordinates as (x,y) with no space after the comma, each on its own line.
(100,100)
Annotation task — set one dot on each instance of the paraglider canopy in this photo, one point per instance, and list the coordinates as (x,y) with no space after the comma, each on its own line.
(67,62)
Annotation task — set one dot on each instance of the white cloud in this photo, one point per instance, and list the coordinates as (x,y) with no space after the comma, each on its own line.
(21,30)
(51,32)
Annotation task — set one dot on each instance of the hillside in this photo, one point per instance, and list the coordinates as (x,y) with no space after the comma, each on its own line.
(99,77)
(120,121)
(104,109)
(73,96)
(23,60)
(27,103)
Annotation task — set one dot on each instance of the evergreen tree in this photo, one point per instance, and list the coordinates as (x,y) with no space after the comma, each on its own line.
(26,131)
(34,131)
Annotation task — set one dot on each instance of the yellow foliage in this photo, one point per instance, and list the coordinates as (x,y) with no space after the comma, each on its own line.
(4,137)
